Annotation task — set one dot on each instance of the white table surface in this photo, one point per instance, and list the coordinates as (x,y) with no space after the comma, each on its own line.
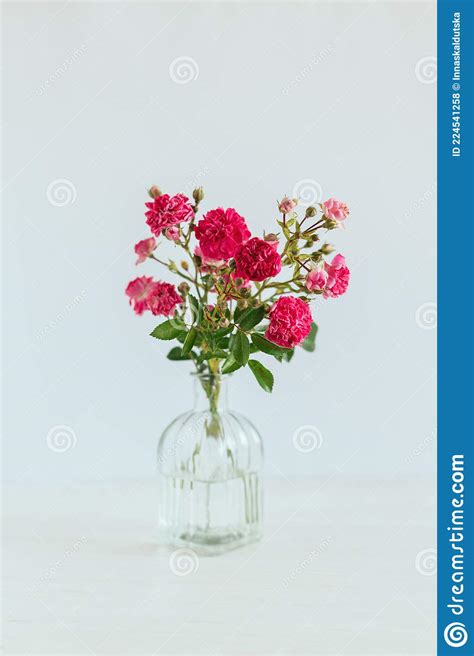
(345,567)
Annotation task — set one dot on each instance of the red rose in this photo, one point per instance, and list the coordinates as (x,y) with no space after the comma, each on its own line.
(257,260)
(220,233)
(165,211)
(290,322)
(163,298)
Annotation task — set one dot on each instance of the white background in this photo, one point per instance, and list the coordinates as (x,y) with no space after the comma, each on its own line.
(284,92)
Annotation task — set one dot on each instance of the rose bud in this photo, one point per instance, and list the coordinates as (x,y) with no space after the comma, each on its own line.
(327,249)
(154,192)
(271,239)
(310,211)
(198,195)
(171,233)
(183,288)
(330,224)
(287,204)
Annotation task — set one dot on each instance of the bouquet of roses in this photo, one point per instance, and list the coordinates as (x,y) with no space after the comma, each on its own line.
(231,304)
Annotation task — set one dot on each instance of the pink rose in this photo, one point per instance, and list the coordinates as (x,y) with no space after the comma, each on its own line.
(220,232)
(316,280)
(144,249)
(163,298)
(338,277)
(287,205)
(257,260)
(208,265)
(172,233)
(290,322)
(138,291)
(335,209)
(165,211)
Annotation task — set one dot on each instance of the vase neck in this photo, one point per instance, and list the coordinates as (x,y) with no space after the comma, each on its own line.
(210,392)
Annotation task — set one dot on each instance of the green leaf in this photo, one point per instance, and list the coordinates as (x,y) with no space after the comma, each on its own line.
(237,312)
(189,341)
(289,354)
(251,317)
(169,329)
(196,309)
(309,343)
(263,375)
(241,348)
(222,332)
(177,354)
(230,365)
(268,347)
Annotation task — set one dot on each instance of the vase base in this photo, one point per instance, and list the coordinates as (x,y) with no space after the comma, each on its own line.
(210,517)
(206,543)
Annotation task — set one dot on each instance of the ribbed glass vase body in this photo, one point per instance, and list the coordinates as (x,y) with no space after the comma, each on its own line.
(209,462)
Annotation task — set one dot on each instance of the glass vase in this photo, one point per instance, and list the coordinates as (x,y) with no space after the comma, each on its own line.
(210,463)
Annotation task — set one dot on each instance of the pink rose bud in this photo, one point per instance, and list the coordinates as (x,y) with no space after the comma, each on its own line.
(154,192)
(335,209)
(272,239)
(316,280)
(144,249)
(172,233)
(287,205)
